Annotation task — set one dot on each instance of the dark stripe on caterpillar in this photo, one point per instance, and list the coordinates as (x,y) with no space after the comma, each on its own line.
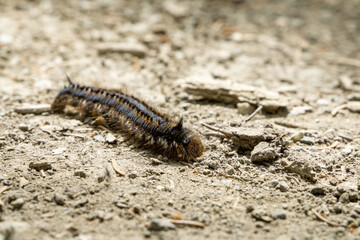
(141,124)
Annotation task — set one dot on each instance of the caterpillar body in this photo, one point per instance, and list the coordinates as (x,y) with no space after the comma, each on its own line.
(139,123)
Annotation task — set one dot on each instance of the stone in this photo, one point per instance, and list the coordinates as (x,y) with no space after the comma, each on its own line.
(38,166)
(249,209)
(230,170)
(354,106)
(261,215)
(121,205)
(318,190)
(99,138)
(132,175)
(263,152)
(18,203)
(158,224)
(278,213)
(24,127)
(58,151)
(295,111)
(80,173)
(274,183)
(245,108)
(353,196)
(344,198)
(308,140)
(283,186)
(59,199)
(109,138)
(297,136)
(346,83)
(346,150)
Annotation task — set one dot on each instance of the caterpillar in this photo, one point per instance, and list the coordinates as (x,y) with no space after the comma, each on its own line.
(139,123)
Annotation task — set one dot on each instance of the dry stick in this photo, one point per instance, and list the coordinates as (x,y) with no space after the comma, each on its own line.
(187,223)
(73,135)
(290,125)
(236,202)
(3,189)
(333,145)
(233,177)
(318,215)
(50,133)
(346,61)
(227,133)
(254,113)
(337,109)
(116,168)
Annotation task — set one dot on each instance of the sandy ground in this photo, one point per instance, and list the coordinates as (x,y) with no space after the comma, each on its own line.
(192,59)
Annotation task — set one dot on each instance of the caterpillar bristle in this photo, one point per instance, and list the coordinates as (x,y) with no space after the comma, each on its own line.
(134,119)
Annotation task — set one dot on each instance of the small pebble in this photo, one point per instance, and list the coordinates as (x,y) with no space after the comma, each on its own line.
(278,214)
(59,199)
(24,127)
(249,209)
(297,136)
(80,173)
(58,151)
(230,170)
(344,198)
(18,203)
(263,152)
(121,205)
(132,175)
(318,190)
(346,150)
(99,138)
(110,138)
(261,215)
(308,140)
(157,224)
(283,186)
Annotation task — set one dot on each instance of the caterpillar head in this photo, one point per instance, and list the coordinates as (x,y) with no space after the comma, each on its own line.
(191,146)
(195,147)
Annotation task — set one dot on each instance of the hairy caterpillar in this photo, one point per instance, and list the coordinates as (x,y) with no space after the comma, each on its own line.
(135,120)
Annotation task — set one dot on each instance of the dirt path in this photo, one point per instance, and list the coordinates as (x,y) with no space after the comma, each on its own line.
(291,172)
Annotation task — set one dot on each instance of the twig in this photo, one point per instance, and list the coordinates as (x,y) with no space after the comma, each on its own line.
(187,223)
(226,133)
(290,125)
(233,177)
(236,202)
(72,135)
(254,113)
(3,189)
(333,145)
(346,61)
(116,168)
(318,215)
(50,133)
(34,109)
(214,134)
(337,109)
